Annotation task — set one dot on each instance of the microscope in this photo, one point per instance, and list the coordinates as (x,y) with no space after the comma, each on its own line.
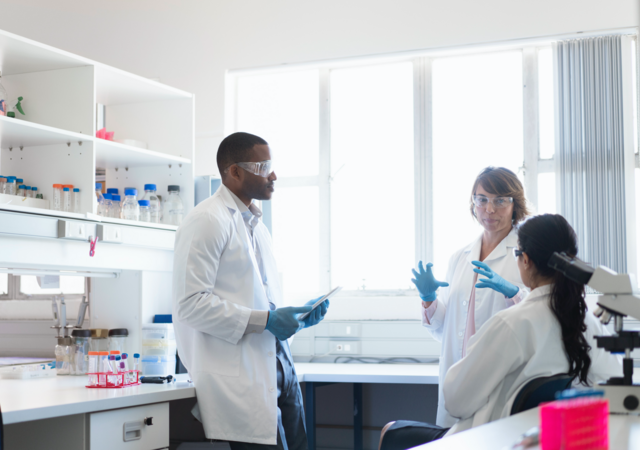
(620,297)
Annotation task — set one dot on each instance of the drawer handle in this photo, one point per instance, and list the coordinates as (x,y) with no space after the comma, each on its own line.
(132,431)
(148,421)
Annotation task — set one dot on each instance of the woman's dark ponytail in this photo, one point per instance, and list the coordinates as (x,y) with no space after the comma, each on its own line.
(539,238)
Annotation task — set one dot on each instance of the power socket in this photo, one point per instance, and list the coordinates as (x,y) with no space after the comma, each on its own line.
(344,347)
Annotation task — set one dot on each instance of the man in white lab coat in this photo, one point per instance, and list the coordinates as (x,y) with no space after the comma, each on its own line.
(230,325)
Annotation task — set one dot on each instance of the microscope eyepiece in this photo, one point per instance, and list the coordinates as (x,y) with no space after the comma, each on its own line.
(572,268)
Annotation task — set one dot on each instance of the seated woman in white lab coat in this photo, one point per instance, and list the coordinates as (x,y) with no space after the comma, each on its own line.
(550,332)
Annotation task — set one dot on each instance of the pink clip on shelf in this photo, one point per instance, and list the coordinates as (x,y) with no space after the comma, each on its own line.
(102,133)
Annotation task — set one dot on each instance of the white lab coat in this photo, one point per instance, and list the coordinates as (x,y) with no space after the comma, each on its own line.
(449,321)
(216,284)
(517,345)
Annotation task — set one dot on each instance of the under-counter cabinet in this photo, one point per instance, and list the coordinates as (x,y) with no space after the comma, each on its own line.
(143,427)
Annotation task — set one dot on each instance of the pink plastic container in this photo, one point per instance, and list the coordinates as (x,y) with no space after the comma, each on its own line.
(575,424)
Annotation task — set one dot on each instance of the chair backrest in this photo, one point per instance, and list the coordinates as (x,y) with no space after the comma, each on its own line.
(540,390)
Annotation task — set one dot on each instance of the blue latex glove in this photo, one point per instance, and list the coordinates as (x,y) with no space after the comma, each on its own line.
(426,283)
(283,322)
(493,280)
(317,314)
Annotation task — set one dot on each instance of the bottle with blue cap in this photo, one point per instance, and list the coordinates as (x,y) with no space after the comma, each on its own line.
(28,193)
(99,200)
(116,206)
(145,212)
(154,202)
(130,206)
(107,207)
(21,191)
(10,186)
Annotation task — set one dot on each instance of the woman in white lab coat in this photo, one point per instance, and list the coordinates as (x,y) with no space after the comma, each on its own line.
(550,332)
(464,304)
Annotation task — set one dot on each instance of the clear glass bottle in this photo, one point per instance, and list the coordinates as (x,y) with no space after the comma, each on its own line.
(19,182)
(63,355)
(99,200)
(22,192)
(4,99)
(154,202)
(145,211)
(10,187)
(130,207)
(116,206)
(29,191)
(173,207)
(76,200)
(81,340)
(107,205)
(66,199)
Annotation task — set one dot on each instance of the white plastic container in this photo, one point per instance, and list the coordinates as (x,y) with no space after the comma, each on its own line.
(154,331)
(158,366)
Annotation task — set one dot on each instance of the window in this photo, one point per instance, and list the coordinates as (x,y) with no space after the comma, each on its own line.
(352,158)
(482,95)
(372,190)
(13,287)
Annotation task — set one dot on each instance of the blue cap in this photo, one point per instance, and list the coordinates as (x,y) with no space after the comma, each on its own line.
(136,355)
(19,180)
(74,189)
(115,197)
(130,191)
(11,178)
(118,358)
(112,357)
(64,189)
(105,196)
(22,186)
(125,355)
(34,188)
(113,191)
(149,187)
(28,188)
(143,202)
(98,186)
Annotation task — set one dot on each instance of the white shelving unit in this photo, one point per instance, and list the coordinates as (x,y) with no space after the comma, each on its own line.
(55,141)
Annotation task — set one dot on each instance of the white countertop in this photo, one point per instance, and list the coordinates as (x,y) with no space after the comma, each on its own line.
(368,373)
(624,433)
(43,398)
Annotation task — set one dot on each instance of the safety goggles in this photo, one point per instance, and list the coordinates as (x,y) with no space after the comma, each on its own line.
(517,252)
(262,168)
(498,202)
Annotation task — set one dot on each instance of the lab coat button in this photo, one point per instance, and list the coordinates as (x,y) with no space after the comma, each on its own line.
(464,303)
(271,389)
(460,334)
(270,353)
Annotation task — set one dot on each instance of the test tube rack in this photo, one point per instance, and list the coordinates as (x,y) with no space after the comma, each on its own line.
(110,380)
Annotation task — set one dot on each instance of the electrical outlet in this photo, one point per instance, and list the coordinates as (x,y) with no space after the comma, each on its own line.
(344,329)
(68,229)
(344,347)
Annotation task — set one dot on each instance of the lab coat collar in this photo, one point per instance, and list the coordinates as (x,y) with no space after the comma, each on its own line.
(539,293)
(503,248)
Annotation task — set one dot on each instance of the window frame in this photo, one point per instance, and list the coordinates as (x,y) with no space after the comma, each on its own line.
(13,284)
(532,164)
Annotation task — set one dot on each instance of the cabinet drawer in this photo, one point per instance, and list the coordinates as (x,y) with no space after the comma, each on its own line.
(107,429)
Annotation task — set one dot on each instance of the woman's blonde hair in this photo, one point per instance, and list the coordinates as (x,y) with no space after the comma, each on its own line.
(503,183)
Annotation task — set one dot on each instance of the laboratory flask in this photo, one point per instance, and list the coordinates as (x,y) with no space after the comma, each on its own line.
(154,202)
(173,207)
(130,207)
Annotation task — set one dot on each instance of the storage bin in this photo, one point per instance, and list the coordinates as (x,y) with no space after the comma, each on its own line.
(160,350)
(158,365)
(162,331)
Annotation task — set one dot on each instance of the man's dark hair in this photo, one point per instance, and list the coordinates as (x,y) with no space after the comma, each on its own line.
(236,148)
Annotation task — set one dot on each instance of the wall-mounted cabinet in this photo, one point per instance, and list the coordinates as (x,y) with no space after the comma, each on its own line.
(55,142)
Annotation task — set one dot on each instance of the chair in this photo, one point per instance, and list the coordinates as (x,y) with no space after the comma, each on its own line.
(540,390)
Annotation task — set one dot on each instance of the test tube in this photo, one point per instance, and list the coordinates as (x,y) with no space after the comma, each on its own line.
(66,199)
(136,361)
(93,368)
(76,200)
(57,197)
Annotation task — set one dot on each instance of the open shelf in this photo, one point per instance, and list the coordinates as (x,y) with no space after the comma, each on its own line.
(112,155)
(135,223)
(16,133)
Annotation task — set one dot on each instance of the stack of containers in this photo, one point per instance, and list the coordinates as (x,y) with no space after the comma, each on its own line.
(158,349)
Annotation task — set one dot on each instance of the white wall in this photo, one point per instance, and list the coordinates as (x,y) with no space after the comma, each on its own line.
(190,44)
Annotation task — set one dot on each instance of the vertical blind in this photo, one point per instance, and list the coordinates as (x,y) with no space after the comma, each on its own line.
(590,147)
